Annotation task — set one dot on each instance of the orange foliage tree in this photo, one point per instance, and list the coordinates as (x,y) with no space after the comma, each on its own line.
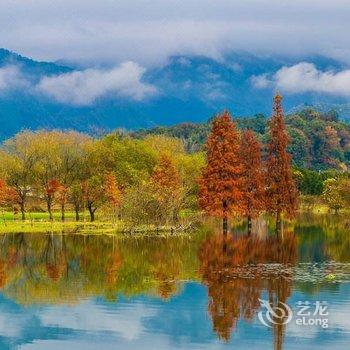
(253,181)
(8,195)
(62,196)
(3,192)
(166,184)
(281,189)
(51,188)
(220,184)
(113,193)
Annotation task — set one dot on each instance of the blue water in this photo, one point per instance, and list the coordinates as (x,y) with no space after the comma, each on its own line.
(148,323)
(88,292)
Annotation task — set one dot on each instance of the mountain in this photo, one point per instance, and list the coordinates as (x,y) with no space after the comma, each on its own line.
(189,89)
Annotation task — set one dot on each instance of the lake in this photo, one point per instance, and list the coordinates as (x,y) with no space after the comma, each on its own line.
(193,291)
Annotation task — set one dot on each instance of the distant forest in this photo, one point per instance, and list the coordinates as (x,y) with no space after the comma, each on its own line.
(319,141)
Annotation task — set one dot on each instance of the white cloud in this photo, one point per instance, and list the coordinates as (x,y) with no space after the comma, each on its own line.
(126,322)
(85,87)
(260,81)
(95,31)
(11,327)
(305,77)
(11,77)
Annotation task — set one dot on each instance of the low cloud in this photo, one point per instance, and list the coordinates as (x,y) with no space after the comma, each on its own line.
(11,77)
(305,77)
(92,32)
(85,87)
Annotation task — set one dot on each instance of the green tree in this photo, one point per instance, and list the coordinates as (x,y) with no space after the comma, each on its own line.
(337,192)
(332,194)
(94,194)
(18,159)
(132,161)
(76,197)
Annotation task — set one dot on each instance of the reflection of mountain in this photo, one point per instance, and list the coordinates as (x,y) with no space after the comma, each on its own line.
(237,271)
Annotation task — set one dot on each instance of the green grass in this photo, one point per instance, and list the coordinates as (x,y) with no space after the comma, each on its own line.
(60,227)
(40,223)
(70,215)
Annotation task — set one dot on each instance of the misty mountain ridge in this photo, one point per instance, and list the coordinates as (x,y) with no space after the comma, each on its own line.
(184,89)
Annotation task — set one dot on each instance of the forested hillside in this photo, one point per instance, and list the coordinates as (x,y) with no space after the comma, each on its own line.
(36,95)
(319,141)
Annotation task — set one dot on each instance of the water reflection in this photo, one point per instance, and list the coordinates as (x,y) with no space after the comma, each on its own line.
(191,292)
(63,269)
(236,273)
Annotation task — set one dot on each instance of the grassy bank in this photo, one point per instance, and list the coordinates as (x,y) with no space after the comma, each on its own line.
(39,223)
(59,227)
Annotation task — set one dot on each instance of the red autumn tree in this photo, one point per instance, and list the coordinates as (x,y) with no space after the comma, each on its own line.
(62,197)
(113,193)
(166,184)
(253,179)
(8,196)
(50,190)
(5,193)
(281,189)
(220,184)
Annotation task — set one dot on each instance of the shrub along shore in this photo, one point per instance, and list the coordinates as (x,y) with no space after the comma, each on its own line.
(154,183)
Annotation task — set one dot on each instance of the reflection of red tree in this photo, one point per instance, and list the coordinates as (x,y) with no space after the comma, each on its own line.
(167,270)
(12,258)
(166,286)
(3,276)
(56,269)
(114,263)
(235,275)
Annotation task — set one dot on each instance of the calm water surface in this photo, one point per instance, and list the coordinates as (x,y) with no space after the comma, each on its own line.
(197,292)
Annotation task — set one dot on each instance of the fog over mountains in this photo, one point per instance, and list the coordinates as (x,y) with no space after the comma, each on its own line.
(185,88)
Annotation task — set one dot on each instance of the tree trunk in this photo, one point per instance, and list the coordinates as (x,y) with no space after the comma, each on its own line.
(77,218)
(63,212)
(224,220)
(49,209)
(278,223)
(249,221)
(92,212)
(23,209)
(224,225)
